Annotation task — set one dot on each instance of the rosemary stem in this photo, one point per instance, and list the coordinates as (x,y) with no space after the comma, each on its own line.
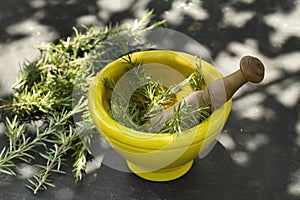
(24,104)
(58,152)
(46,173)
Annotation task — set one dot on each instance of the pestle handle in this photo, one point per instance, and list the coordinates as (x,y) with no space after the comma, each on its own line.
(220,90)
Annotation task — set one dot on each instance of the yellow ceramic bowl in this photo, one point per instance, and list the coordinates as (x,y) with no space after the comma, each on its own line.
(152,156)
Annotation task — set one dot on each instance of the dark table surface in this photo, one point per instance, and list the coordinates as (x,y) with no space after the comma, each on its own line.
(257,156)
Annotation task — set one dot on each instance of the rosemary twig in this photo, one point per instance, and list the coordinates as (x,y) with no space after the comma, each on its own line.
(19,146)
(151,98)
(63,136)
(48,89)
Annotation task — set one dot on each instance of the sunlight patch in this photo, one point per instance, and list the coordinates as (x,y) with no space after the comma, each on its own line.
(294,187)
(257,141)
(285,25)
(240,158)
(38,4)
(116,6)
(94,164)
(289,92)
(180,8)
(26,171)
(298,132)
(254,108)
(227,141)
(236,18)
(2,128)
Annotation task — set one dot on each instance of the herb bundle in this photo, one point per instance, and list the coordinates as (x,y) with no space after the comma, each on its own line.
(151,98)
(44,95)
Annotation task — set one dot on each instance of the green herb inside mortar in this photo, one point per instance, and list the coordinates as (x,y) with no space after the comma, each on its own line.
(153,97)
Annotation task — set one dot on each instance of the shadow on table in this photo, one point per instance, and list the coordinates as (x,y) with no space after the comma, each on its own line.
(212,32)
(270,171)
(213,177)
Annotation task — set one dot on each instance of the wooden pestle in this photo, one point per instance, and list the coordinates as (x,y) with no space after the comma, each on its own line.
(221,90)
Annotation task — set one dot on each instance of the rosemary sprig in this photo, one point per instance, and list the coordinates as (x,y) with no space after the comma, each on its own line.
(152,98)
(53,89)
(196,79)
(186,117)
(19,146)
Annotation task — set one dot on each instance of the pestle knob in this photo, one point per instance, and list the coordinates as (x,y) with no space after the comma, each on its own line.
(252,69)
(221,90)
